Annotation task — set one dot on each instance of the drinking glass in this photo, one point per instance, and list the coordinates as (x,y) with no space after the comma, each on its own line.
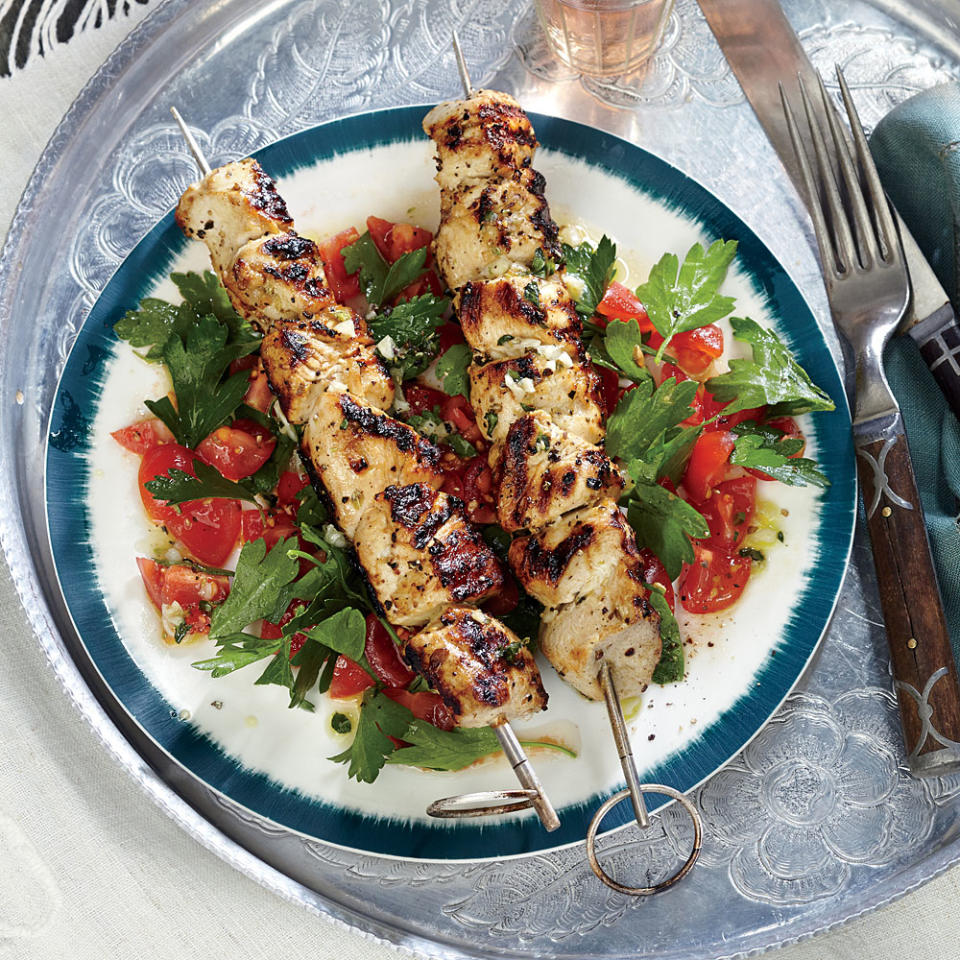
(603,38)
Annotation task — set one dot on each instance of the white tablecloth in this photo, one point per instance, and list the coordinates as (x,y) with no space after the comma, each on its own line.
(89,868)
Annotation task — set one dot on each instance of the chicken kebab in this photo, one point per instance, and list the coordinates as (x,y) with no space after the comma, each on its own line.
(537,398)
(427,565)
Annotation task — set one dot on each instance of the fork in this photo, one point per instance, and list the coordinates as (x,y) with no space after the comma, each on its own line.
(868,288)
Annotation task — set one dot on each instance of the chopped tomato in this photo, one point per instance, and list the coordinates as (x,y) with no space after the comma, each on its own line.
(258,395)
(505,600)
(711,407)
(450,334)
(620,303)
(239,450)
(424,706)
(609,388)
(428,283)
(278,527)
(157,461)
(423,399)
(181,584)
(472,482)
(208,529)
(142,436)
(791,431)
(714,581)
(342,285)
(291,483)
(459,414)
(349,679)
(668,370)
(729,510)
(696,349)
(655,572)
(393,240)
(383,656)
(708,463)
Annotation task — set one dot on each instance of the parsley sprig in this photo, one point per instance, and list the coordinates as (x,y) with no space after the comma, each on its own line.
(413,326)
(592,268)
(766,448)
(772,378)
(380,280)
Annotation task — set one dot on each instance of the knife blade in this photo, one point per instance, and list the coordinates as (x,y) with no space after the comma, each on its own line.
(763,50)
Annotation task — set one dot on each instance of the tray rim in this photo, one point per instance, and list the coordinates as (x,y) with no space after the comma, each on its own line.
(22,566)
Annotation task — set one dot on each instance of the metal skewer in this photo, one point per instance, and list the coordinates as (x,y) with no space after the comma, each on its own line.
(635,790)
(472,805)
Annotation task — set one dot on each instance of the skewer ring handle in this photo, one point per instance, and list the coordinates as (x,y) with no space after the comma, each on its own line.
(609,804)
(485,804)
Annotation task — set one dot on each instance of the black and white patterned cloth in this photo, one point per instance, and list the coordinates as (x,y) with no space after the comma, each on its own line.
(29,28)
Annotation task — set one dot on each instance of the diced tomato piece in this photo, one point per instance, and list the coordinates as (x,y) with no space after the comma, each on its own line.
(428,283)
(342,285)
(655,572)
(239,450)
(384,657)
(274,631)
(424,706)
(458,412)
(791,431)
(671,370)
(472,482)
(505,600)
(609,388)
(714,581)
(729,510)
(208,529)
(182,584)
(349,679)
(259,395)
(278,527)
(620,303)
(450,334)
(393,240)
(144,435)
(708,463)
(152,575)
(710,407)
(157,461)
(291,483)
(423,399)
(696,349)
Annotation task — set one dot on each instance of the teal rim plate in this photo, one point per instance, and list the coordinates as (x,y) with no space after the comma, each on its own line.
(67,479)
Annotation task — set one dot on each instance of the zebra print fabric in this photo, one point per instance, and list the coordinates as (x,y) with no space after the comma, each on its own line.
(32,27)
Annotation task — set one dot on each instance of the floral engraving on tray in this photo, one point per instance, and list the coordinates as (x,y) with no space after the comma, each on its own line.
(818,791)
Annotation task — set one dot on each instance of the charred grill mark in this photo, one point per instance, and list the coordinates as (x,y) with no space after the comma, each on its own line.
(380,425)
(539,563)
(408,504)
(289,246)
(296,343)
(465,565)
(266,198)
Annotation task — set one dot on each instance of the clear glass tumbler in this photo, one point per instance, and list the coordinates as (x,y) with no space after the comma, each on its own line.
(604,38)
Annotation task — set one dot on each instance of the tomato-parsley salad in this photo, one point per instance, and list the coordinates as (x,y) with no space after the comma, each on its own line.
(253,566)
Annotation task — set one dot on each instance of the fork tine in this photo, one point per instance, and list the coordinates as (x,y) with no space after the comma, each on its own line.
(880,206)
(863,225)
(842,235)
(821,230)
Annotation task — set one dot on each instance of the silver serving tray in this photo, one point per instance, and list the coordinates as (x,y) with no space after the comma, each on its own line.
(814,823)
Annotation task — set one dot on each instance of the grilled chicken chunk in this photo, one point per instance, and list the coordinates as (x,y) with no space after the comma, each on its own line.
(278,277)
(232,205)
(587,572)
(485,136)
(355,451)
(546,472)
(421,554)
(483,672)
(615,623)
(304,358)
(500,321)
(488,228)
(573,557)
(504,390)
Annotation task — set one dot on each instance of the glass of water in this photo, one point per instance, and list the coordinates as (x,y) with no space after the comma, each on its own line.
(604,38)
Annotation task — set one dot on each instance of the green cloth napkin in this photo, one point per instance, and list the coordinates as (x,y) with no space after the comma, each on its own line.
(917,150)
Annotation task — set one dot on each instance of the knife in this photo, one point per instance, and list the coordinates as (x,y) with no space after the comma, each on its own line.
(763,50)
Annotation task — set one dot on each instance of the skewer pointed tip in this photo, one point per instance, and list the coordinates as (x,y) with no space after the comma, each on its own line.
(462,67)
(191,142)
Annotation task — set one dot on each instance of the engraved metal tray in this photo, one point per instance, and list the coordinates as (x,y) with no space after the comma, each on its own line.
(815,822)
